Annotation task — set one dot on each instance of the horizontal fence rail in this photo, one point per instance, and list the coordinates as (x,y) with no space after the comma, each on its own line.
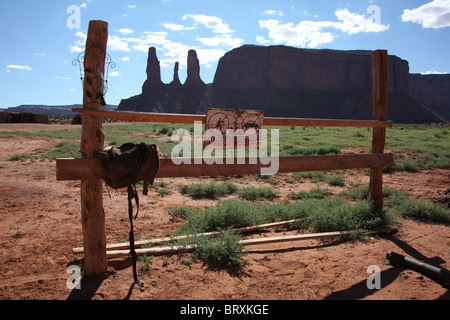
(268,121)
(87,169)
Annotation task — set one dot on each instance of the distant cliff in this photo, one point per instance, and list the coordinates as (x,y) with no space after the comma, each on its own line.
(190,97)
(286,82)
(46,109)
(433,91)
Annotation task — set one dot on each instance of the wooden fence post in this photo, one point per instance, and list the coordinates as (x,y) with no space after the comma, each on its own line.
(379,112)
(92,140)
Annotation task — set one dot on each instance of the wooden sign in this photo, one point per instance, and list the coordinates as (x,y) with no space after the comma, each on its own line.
(248,122)
(242,126)
(220,119)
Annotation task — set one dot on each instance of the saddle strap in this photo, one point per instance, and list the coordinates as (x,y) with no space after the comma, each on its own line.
(132,194)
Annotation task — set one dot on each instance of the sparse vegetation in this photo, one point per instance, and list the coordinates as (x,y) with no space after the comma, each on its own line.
(400,204)
(254,193)
(336,180)
(64,149)
(145,262)
(316,193)
(20,156)
(221,251)
(426,147)
(209,190)
(318,210)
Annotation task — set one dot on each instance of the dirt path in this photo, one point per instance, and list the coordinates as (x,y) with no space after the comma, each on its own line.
(40,224)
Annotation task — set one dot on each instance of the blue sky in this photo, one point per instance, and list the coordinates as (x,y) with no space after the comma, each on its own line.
(41,38)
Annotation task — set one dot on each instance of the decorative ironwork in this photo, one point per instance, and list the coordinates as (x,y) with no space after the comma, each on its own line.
(109,64)
(79,61)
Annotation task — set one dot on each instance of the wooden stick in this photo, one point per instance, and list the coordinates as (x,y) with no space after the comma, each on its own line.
(248,242)
(92,140)
(268,121)
(76,169)
(140,243)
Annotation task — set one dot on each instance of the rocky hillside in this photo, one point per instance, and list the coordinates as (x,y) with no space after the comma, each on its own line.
(45,109)
(433,91)
(289,82)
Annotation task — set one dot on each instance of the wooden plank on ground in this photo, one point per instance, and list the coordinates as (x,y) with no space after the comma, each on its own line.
(140,243)
(82,169)
(248,242)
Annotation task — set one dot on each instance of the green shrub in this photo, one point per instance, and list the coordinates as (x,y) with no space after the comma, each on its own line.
(336,180)
(399,203)
(163,130)
(423,210)
(208,191)
(315,176)
(316,193)
(64,149)
(223,250)
(327,215)
(408,164)
(184,212)
(254,193)
(18,157)
(145,262)
(313,150)
(164,192)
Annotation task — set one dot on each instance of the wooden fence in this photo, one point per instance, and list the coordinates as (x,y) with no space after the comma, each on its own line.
(88,169)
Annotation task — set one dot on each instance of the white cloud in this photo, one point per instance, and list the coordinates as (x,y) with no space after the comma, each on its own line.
(208,49)
(118,44)
(114,74)
(174,27)
(141,48)
(126,31)
(434,72)
(208,56)
(75,48)
(155,37)
(79,45)
(435,14)
(216,24)
(221,41)
(132,6)
(150,39)
(177,27)
(63,78)
(18,67)
(306,13)
(271,12)
(312,33)
(84,5)
(353,23)
(262,40)
(305,34)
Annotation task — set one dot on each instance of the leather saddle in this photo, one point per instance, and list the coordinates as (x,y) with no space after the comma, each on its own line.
(125,166)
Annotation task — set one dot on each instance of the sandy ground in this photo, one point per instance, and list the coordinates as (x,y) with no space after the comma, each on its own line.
(40,224)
